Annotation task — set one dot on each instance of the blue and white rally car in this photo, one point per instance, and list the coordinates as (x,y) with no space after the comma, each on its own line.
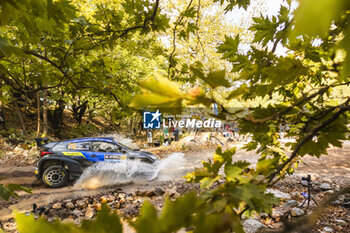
(62,161)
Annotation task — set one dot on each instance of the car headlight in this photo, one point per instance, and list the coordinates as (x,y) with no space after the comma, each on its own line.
(154,157)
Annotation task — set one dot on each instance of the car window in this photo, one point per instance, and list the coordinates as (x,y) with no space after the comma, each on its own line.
(105,147)
(78,146)
(60,146)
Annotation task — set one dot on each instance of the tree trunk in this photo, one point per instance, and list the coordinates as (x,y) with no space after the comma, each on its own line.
(38,113)
(2,118)
(45,125)
(57,119)
(20,117)
(79,111)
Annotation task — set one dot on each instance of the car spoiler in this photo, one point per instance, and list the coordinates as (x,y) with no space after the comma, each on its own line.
(40,142)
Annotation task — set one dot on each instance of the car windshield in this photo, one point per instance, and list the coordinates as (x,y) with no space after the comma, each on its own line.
(126,147)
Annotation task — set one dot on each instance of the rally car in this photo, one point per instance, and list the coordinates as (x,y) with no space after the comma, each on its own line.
(61,161)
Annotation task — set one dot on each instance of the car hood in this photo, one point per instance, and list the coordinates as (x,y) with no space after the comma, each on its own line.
(140,153)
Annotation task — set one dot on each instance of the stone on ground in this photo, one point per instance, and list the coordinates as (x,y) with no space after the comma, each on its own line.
(253,226)
(327,229)
(278,194)
(291,204)
(297,212)
(325,187)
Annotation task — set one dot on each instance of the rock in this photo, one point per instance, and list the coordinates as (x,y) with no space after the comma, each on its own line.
(336,202)
(97,206)
(329,192)
(130,211)
(171,193)
(278,194)
(117,206)
(297,195)
(103,199)
(150,194)
(137,201)
(81,204)
(129,198)
(122,201)
(253,226)
(347,199)
(90,213)
(341,222)
(341,197)
(327,229)
(346,204)
(52,212)
(110,198)
(158,191)
(325,187)
(121,195)
(138,193)
(291,204)
(77,213)
(278,212)
(57,206)
(67,200)
(70,205)
(297,212)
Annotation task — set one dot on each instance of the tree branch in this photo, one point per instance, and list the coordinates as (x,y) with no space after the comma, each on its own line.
(278,114)
(181,17)
(284,167)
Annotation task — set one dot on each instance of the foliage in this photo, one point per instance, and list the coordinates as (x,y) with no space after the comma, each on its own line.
(307,84)
(9,190)
(192,37)
(105,221)
(85,59)
(238,189)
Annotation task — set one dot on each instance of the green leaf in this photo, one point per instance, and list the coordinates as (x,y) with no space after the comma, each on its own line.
(238,91)
(207,182)
(6,191)
(265,29)
(266,166)
(159,93)
(232,3)
(190,12)
(215,78)
(232,172)
(105,222)
(346,46)
(176,215)
(315,18)
(229,47)
(147,220)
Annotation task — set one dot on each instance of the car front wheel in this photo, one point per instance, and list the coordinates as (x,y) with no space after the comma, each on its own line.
(55,177)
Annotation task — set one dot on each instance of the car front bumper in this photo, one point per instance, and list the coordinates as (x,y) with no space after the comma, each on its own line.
(36,172)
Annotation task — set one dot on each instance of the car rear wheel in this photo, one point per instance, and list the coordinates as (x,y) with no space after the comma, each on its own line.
(55,177)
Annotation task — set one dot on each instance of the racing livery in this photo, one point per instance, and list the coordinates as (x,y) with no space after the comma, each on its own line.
(62,161)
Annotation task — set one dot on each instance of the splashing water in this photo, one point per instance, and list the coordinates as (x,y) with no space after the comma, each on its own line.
(105,174)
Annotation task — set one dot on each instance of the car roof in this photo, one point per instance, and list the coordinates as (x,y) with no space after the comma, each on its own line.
(106,139)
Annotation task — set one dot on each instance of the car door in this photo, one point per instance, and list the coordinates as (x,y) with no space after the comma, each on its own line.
(106,151)
(84,148)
